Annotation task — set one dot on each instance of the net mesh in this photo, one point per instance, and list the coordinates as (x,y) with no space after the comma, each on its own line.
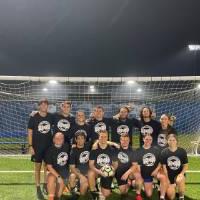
(18,98)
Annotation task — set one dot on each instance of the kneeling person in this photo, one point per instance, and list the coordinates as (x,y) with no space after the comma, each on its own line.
(57,159)
(100,157)
(79,161)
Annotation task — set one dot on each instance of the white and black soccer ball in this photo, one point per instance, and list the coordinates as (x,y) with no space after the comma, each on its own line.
(107,170)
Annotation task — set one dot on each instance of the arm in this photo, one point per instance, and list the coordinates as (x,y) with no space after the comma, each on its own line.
(75,171)
(155,171)
(53,171)
(113,144)
(131,170)
(92,167)
(30,135)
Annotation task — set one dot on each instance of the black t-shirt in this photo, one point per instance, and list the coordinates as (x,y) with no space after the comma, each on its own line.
(152,128)
(58,158)
(97,126)
(162,137)
(64,125)
(125,159)
(103,156)
(85,128)
(80,157)
(174,161)
(118,127)
(42,130)
(148,159)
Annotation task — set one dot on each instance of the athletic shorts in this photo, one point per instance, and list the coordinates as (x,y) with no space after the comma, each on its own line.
(118,177)
(106,182)
(148,179)
(39,155)
(173,179)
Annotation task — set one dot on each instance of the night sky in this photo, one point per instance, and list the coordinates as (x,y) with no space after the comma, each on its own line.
(99,37)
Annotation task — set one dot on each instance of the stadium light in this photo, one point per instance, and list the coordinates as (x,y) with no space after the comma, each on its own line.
(53,82)
(198,86)
(45,89)
(139,90)
(194,47)
(91,87)
(130,82)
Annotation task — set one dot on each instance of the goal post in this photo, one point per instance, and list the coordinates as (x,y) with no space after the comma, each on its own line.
(179,96)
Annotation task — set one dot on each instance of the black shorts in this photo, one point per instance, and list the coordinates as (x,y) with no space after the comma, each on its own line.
(106,182)
(118,177)
(172,179)
(39,155)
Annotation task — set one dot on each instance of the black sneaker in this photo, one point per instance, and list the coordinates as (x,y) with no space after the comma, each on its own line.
(95,195)
(44,189)
(39,194)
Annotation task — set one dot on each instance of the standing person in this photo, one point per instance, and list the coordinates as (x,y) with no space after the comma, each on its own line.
(123,125)
(98,122)
(127,167)
(165,130)
(175,163)
(103,155)
(148,125)
(64,121)
(150,167)
(39,140)
(57,159)
(80,125)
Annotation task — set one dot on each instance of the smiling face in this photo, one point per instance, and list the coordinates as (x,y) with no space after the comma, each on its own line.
(103,137)
(147,140)
(58,139)
(146,113)
(80,117)
(123,113)
(164,120)
(66,107)
(98,113)
(172,141)
(43,106)
(124,141)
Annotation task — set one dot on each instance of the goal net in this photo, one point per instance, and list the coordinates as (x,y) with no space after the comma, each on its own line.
(179,96)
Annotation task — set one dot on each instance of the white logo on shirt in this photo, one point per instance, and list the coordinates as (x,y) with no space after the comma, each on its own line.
(99,127)
(84,157)
(149,159)
(62,158)
(44,127)
(162,141)
(123,157)
(103,159)
(146,130)
(63,125)
(173,162)
(122,129)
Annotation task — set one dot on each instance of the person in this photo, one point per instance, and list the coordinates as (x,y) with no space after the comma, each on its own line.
(39,140)
(57,159)
(165,130)
(64,121)
(79,161)
(150,167)
(175,163)
(121,124)
(127,167)
(103,155)
(148,125)
(98,123)
(80,125)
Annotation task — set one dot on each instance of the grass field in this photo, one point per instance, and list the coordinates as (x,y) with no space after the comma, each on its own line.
(20,185)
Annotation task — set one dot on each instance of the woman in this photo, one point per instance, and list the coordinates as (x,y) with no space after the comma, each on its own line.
(175,163)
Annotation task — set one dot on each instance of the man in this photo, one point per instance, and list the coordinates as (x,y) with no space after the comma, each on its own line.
(39,140)
(79,161)
(103,155)
(121,124)
(57,159)
(175,163)
(127,167)
(98,122)
(63,121)
(148,125)
(80,125)
(150,167)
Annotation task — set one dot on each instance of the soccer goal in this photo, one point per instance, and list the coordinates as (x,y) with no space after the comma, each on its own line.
(178,96)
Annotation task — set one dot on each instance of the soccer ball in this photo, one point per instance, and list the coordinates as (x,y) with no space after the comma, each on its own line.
(107,170)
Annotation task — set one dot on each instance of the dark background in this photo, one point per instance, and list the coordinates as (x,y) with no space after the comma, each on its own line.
(99,37)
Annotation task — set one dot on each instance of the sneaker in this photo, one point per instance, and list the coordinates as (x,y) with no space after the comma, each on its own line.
(39,194)
(138,197)
(95,195)
(44,189)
